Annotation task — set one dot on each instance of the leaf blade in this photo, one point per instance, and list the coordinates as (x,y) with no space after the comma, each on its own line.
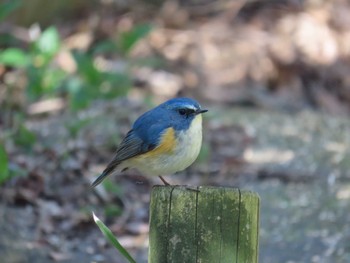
(14,57)
(111,238)
(4,166)
(128,39)
(49,42)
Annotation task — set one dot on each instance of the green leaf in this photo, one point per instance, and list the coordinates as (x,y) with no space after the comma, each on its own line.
(48,43)
(14,57)
(106,46)
(8,7)
(128,39)
(34,87)
(24,137)
(111,238)
(4,166)
(204,153)
(115,85)
(86,68)
(53,79)
(78,95)
(113,210)
(113,188)
(150,62)
(9,40)
(74,127)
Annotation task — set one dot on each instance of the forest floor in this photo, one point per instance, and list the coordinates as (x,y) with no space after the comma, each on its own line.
(273,74)
(298,163)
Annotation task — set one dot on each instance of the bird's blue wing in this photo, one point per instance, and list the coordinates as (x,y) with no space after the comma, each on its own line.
(151,125)
(144,137)
(131,146)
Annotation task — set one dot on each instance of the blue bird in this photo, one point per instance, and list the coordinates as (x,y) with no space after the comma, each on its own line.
(162,141)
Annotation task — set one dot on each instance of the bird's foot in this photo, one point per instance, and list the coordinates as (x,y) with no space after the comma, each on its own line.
(192,188)
(163,180)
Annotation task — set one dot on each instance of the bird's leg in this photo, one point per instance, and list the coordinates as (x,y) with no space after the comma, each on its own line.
(192,188)
(163,180)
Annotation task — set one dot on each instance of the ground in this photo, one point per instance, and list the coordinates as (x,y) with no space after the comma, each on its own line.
(298,163)
(273,74)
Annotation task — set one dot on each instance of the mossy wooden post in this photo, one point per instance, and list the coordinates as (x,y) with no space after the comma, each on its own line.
(210,225)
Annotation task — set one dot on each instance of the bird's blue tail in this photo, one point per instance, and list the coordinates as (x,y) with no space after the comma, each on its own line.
(100,179)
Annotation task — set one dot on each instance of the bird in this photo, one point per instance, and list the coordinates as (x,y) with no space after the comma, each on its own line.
(162,141)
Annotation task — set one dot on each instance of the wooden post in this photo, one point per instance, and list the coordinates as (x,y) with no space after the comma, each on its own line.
(203,225)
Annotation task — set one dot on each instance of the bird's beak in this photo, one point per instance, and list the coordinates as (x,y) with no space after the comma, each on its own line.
(201,111)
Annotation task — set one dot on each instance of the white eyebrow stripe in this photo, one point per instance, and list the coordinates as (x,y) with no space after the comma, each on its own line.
(190,107)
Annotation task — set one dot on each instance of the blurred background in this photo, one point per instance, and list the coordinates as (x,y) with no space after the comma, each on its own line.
(75,74)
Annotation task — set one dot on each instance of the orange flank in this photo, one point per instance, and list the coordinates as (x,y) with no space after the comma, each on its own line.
(166,145)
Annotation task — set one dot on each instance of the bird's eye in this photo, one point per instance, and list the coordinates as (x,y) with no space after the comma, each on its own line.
(186,112)
(182,111)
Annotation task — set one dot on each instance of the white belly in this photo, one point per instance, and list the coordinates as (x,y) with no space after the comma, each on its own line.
(185,153)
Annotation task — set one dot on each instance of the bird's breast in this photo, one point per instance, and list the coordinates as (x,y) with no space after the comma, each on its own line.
(166,145)
(189,141)
(176,151)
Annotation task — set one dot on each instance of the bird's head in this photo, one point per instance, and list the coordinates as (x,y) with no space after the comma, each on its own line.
(182,111)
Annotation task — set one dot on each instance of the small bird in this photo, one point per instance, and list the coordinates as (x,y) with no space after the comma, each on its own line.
(162,141)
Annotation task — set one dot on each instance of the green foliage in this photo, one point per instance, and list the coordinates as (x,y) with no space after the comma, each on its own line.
(113,210)
(7,7)
(128,39)
(113,188)
(4,166)
(45,78)
(204,153)
(105,46)
(47,45)
(24,137)
(8,171)
(91,83)
(86,68)
(116,190)
(111,238)
(75,125)
(14,57)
